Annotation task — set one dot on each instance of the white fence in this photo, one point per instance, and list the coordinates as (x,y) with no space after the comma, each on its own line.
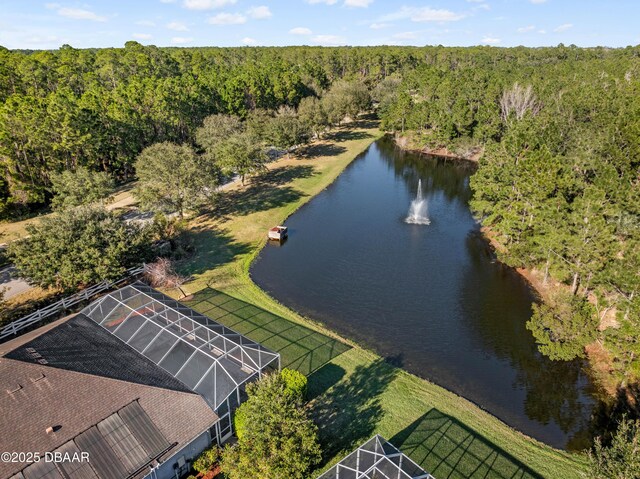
(18,325)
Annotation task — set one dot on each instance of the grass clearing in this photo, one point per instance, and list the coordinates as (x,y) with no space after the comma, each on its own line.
(13,230)
(358,394)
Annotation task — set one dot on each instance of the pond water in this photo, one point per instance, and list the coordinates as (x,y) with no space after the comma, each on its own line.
(430,297)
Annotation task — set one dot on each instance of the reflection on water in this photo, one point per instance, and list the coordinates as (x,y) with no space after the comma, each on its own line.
(431,295)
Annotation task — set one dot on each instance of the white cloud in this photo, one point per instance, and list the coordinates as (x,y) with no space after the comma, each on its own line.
(181,40)
(491,40)
(146,23)
(563,28)
(142,36)
(482,6)
(300,31)
(177,26)
(358,3)
(424,14)
(167,1)
(528,28)
(329,40)
(537,1)
(259,13)
(542,32)
(75,13)
(347,3)
(248,41)
(43,40)
(207,4)
(405,35)
(227,19)
(378,26)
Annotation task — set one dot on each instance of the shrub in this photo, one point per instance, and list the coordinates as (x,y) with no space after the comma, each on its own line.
(621,459)
(296,383)
(279,439)
(4,259)
(239,421)
(205,461)
(295,388)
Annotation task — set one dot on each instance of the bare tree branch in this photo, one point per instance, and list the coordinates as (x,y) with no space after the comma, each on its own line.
(160,274)
(518,100)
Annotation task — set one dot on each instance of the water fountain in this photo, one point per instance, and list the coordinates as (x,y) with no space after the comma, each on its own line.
(418,209)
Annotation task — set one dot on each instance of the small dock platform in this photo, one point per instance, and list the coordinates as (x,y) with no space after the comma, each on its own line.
(278,233)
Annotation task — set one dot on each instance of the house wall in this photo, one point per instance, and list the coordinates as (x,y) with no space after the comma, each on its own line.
(169,468)
(218,432)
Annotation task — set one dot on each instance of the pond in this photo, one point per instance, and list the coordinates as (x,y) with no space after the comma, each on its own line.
(429,297)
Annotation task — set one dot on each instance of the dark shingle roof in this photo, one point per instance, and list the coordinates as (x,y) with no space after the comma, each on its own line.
(80,345)
(34,397)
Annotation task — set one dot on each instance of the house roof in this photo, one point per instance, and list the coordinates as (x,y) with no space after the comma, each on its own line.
(132,346)
(34,397)
(78,344)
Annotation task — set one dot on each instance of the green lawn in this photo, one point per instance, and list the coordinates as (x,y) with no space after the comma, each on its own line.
(355,393)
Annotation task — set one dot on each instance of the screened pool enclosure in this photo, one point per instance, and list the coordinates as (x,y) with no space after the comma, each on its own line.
(376,459)
(210,359)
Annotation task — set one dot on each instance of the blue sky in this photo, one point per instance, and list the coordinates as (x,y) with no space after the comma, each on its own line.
(49,24)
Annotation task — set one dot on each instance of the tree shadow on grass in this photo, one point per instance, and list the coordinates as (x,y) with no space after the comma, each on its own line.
(213,248)
(368,121)
(257,197)
(322,379)
(447,448)
(347,135)
(285,174)
(318,150)
(348,412)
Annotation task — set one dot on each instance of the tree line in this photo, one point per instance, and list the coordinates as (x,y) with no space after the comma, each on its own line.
(99,108)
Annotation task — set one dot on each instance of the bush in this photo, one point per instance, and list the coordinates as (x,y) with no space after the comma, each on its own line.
(295,388)
(621,458)
(239,421)
(279,440)
(296,383)
(207,460)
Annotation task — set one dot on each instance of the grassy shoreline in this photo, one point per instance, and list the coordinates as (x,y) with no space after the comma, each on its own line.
(356,394)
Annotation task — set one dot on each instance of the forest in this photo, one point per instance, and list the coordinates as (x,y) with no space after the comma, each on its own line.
(558,183)
(558,129)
